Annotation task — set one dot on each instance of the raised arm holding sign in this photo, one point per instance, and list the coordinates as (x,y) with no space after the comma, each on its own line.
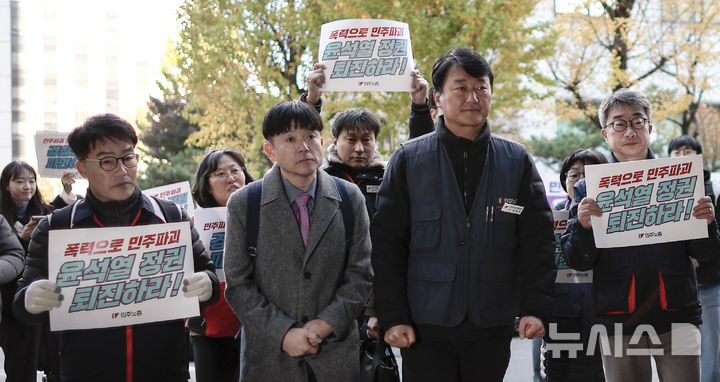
(366,55)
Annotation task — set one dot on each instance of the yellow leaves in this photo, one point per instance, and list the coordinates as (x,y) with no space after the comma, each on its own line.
(667,104)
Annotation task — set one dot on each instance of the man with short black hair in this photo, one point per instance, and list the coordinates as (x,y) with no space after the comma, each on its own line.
(462,238)
(105,148)
(298,290)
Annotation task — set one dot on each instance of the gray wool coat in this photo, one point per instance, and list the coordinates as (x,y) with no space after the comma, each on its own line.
(288,284)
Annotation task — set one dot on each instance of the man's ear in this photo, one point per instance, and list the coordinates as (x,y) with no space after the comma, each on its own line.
(269,150)
(650,128)
(436,96)
(334,141)
(80,166)
(604,133)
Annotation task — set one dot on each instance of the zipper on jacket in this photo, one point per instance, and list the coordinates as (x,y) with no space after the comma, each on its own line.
(465,184)
(128,353)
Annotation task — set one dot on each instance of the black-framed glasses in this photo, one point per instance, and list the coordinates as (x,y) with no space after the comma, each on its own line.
(621,125)
(110,163)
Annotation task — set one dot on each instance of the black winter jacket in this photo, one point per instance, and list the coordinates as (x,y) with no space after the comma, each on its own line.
(158,351)
(392,226)
(368,179)
(648,284)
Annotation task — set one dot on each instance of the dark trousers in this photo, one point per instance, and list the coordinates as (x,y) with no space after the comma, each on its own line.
(20,345)
(49,353)
(217,359)
(435,359)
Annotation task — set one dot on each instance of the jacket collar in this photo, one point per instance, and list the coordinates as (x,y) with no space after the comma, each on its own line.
(650,155)
(273,186)
(377,161)
(449,139)
(87,206)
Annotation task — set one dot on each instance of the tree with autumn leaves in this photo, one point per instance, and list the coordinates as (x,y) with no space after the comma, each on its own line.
(665,48)
(239,57)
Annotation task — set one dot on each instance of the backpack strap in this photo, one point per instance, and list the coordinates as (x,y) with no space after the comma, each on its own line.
(346,209)
(62,218)
(170,212)
(252,224)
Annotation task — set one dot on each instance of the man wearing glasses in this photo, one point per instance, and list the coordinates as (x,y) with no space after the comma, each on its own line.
(650,285)
(105,147)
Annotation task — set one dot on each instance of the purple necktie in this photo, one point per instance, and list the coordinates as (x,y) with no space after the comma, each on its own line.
(302,216)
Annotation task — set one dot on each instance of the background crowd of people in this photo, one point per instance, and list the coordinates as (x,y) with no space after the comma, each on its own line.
(419,251)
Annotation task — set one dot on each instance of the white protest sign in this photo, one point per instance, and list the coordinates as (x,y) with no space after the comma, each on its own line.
(210,224)
(121,276)
(54,156)
(565,274)
(176,192)
(646,202)
(366,55)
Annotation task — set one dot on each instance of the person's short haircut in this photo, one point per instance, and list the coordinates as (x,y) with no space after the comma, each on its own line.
(584,156)
(83,138)
(357,118)
(623,97)
(431,98)
(280,118)
(685,140)
(201,182)
(470,61)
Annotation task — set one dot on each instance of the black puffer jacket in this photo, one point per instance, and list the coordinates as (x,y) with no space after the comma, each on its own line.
(368,179)
(158,351)
(648,284)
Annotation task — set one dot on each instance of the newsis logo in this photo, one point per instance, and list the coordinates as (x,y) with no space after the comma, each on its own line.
(136,313)
(648,235)
(368,83)
(683,339)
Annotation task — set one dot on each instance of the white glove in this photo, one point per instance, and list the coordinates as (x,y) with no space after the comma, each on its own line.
(198,284)
(42,296)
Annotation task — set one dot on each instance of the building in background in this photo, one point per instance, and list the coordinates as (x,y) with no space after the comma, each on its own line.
(5,74)
(74,59)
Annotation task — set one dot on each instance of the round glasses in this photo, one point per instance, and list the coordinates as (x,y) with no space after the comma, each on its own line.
(110,163)
(223,174)
(621,125)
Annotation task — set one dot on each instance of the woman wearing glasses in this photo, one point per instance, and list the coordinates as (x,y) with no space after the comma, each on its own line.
(573,169)
(573,294)
(216,345)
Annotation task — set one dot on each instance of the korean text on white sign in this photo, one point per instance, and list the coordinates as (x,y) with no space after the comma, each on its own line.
(179,193)
(54,155)
(565,274)
(210,224)
(647,201)
(121,276)
(366,55)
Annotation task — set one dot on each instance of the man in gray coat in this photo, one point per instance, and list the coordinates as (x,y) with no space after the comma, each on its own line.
(299,293)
